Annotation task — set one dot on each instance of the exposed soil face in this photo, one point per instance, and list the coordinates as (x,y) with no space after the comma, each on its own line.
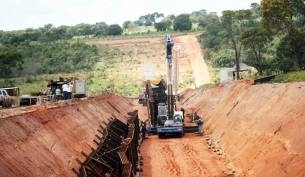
(260,128)
(49,141)
(255,130)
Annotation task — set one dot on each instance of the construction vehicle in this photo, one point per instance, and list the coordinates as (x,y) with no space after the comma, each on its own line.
(164,119)
(5,99)
(78,88)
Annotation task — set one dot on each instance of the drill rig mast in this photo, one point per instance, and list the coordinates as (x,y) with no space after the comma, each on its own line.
(163,117)
(171,122)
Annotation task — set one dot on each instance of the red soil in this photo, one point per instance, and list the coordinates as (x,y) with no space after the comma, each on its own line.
(261,128)
(257,130)
(48,141)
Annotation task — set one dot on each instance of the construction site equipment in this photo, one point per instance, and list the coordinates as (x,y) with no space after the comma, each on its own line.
(78,88)
(5,99)
(20,100)
(14,93)
(117,154)
(164,119)
(28,100)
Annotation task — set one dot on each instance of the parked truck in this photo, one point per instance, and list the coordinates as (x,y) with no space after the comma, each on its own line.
(5,99)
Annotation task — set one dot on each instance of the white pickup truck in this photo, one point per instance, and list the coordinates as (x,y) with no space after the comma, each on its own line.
(5,100)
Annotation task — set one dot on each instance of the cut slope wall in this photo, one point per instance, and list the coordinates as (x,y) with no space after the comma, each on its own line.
(261,128)
(48,141)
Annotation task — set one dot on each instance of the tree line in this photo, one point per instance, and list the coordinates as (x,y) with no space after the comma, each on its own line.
(50,49)
(269,36)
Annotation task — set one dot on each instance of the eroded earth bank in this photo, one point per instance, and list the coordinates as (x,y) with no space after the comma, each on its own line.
(255,130)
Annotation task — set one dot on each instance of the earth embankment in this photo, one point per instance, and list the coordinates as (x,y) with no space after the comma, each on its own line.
(48,141)
(260,128)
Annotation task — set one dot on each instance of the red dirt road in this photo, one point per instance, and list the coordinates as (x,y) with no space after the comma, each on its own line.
(179,157)
(193,54)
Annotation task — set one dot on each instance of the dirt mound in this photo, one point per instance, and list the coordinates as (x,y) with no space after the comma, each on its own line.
(261,128)
(48,141)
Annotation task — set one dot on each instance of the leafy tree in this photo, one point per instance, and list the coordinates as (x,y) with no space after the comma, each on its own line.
(82,29)
(291,45)
(209,20)
(214,34)
(286,17)
(223,57)
(155,17)
(168,23)
(115,29)
(9,58)
(161,26)
(46,32)
(281,14)
(256,41)
(150,19)
(198,16)
(100,29)
(60,32)
(172,17)
(182,23)
(126,24)
(235,23)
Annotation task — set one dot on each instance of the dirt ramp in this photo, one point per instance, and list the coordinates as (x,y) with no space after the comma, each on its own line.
(261,128)
(48,141)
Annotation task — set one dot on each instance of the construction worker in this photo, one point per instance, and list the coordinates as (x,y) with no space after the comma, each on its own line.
(58,94)
(70,90)
(65,89)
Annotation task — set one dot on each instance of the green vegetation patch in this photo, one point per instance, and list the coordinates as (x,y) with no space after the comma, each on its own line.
(296,76)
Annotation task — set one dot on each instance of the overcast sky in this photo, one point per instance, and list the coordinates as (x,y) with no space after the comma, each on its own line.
(21,14)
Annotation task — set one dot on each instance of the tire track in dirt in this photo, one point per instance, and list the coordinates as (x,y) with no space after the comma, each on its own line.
(194,54)
(179,157)
(171,163)
(197,166)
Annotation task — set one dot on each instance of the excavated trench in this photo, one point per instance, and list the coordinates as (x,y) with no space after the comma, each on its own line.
(250,130)
(91,137)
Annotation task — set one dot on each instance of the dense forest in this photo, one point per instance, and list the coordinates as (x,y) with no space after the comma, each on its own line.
(269,36)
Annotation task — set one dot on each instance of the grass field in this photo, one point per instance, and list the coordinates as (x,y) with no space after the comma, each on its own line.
(121,67)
